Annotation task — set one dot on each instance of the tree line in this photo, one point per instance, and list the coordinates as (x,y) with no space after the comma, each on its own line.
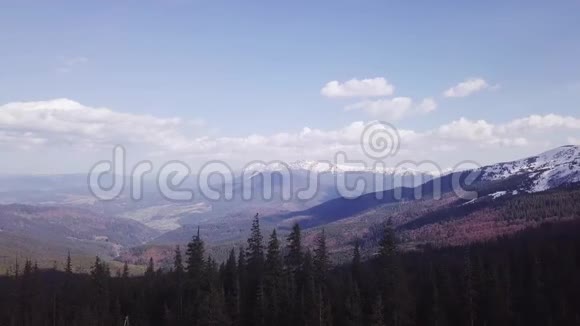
(532,278)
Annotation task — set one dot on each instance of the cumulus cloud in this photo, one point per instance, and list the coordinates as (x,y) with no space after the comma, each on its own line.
(480,132)
(394,109)
(467,87)
(464,129)
(71,127)
(428,105)
(63,121)
(388,109)
(358,88)
(548,121)
(513,133)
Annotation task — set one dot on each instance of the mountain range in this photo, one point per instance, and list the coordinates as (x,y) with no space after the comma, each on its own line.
(42,217)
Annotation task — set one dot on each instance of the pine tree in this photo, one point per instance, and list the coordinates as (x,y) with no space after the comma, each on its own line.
(388,244)
(294,256)
(273,259)
(273,280)
(255,245)
(241,269)
(195,258)
(178,272)
(396,296)
(150,271)
(68,266)
(353,305)
(231,288)
(309,295)
(100,274)
(178,262)
(255,266)
(469,290)
(321,260)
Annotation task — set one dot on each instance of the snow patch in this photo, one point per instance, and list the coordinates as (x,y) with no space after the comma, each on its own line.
(545,171)
(497,194)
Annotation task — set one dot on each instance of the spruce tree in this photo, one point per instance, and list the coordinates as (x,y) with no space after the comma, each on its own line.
(396,296)
(255,245)
(178,262)
(68,267)
(294,256)
(195,258)
(255,266)
(150,272)
(273,280)
(321,259)
(353,307)
(231,288)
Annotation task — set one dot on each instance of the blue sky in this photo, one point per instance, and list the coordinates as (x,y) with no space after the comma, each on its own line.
(258,67)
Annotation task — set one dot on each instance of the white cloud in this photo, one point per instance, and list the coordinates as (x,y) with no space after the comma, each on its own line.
(548,121)
(480,132)
(464,129)
(64,126)
(64,121)
(358,88)
(394,109)
(467,87)
(513,133)
(387,109)
(428,105)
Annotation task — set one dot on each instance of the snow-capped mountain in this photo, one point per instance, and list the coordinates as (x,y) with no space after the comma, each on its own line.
(331,168)
(554,168)
(330,176)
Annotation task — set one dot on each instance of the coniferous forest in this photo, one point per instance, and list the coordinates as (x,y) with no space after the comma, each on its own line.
(531,278)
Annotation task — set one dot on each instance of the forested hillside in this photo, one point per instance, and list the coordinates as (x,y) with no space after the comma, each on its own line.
(531,278)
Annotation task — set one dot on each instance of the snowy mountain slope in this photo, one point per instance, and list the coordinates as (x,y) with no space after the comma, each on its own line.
(328,167)
(556,167)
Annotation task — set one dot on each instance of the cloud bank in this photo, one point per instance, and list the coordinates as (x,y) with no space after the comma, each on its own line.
(370,87)
(63,124)
(467,87)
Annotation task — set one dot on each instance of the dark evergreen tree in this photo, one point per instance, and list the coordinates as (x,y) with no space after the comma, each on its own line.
(255,269)
(396,300)
(150,271)
(68,267)
(293,258)
(273,280)
(178,262)
(321,259)
(195,257)
(231,289)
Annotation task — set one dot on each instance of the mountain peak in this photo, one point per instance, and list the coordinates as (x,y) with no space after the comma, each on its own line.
(547,170)
(329,167)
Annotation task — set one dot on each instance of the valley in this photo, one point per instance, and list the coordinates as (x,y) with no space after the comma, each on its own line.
(62,217)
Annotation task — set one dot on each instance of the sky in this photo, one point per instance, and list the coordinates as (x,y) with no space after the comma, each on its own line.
(240,81)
